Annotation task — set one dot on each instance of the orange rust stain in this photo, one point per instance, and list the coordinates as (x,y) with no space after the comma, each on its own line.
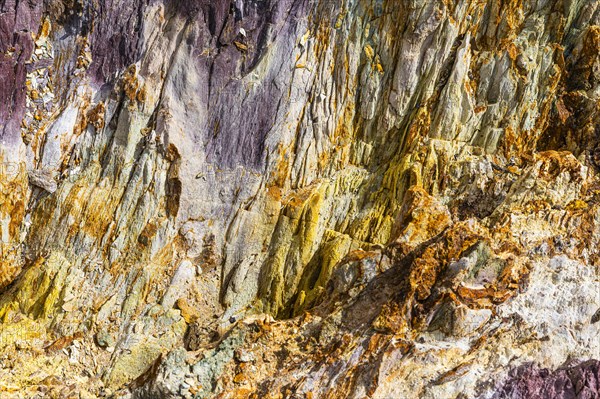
(513,51)
(13,196)
(280,175)
(426,269)
(274,192)
(96,116)
(555,163)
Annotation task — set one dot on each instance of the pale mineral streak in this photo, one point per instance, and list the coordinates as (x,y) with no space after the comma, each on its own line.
(300,199)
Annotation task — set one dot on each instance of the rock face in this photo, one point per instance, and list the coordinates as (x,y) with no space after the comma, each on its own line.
(572,382)
(300,199)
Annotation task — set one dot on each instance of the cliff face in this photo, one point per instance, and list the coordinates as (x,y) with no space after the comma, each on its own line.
(300,198)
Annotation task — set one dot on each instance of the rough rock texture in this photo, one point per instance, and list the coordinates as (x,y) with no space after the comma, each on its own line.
(300,198)
(579,381)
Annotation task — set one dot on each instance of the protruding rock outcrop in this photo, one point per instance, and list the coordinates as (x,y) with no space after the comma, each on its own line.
(298,198)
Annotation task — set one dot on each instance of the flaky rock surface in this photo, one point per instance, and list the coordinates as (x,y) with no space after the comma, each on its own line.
(300,198)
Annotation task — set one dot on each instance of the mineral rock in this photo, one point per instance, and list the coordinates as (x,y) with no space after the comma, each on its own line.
(300,199)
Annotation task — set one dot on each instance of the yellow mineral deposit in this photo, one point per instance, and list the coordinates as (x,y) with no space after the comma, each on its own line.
(300,199)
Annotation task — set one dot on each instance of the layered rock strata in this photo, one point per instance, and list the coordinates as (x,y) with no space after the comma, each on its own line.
(300,198)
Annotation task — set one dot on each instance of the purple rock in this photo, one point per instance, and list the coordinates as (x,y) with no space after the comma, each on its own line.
(579,381)
(17,20)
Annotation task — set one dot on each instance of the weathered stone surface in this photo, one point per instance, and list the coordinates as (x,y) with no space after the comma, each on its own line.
(577,381)
(294,198)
